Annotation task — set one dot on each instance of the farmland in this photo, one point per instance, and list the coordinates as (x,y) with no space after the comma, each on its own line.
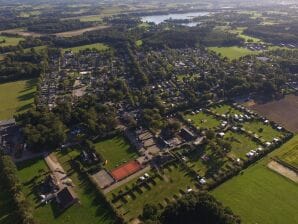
(116,151)
(97,46)
(232,52)
(9,41)
(263,188)
(16,97)
(73,33)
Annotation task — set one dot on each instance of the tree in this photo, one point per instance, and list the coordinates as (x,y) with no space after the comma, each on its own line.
(150,212)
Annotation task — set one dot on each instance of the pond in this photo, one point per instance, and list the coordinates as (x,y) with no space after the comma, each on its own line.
(157,19)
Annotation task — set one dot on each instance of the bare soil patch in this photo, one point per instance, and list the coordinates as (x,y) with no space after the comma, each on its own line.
(284,171)
(283,111)
(21,32)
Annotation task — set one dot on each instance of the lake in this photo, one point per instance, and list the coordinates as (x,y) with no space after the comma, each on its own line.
(157,19)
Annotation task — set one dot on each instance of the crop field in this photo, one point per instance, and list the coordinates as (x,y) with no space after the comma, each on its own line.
(291,155)
(16,97)
(225,109)
(203,120)
(90,209)
(239,32)
(116,151)
(282,111)
(160,192)
(265,132)
(274,197)
(97,46)
(9,41)
(232,52)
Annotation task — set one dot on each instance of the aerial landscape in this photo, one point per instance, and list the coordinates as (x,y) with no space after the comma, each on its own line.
(145,111)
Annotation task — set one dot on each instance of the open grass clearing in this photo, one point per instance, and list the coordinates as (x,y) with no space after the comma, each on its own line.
(239,32)
(264,131)
(97,46)
(291,155)
(225,109)
(116,151)
(203,120)
(274,197)
(233,52)
(159,192)
(16,97)
(73,33)
(89,210)
(9,41)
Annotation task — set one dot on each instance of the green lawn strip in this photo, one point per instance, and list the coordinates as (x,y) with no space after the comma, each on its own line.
(202,120)
(174,179)
(225,109)
(97,46)
(274,197)
(16,97)
(240,144)
(264,131)
(233,52)
(116,151)
(10,41)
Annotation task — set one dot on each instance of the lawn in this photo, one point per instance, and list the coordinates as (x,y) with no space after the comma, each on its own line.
(16,97)
(232,52)
(89,210)
(116,151)
(202,120)
(264,131)
(159,192)
(240,144)
(291,155)
(274,197)
(225,109)
(97,46)
(92,18)
(9,41)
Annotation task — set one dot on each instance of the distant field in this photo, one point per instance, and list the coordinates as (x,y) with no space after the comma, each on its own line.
(232,52)
(97,46)
(89,210)
(116,151)
(9,41)
(282,111)
(260,195)
(16,97)
(291,155)
(22,32)
(225,109)
(73,33)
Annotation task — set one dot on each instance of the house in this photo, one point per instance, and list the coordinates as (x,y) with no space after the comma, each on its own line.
(187,134)
(66,198)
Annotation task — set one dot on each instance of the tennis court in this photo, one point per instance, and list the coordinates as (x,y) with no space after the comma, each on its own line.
(126,170)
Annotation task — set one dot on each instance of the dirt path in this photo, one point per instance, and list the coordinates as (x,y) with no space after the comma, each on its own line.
(131,177)
(282,170)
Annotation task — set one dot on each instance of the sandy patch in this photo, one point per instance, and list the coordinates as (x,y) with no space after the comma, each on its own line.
(284,171)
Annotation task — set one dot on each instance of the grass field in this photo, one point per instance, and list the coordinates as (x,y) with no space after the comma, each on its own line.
(267,133)
(225,109)
(260,195)
(16,97)
(9,41)
(97,46)
(173,179)
(116,151)
(291,155)
(239,32)
(240,144)
(89,210)
(232,52)
(202,120)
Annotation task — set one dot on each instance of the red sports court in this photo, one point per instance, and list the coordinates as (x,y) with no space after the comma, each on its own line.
(125,170)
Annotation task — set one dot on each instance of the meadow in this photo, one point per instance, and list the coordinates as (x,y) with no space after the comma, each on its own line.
(97,46)
(225,109)
(202,120)
(274,197)
(16,97)
(116,151)
(232,52)
(9,41)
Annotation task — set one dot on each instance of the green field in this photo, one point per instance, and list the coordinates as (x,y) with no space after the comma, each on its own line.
(116,151)
(158,192)
(202,120)
(240,144)
(97,46)
(92,18)
(239,32)
(260,195)
(9,41)
(89,210)
(265,132)
(16,97)
(225,109)
(291,155)
(232,52)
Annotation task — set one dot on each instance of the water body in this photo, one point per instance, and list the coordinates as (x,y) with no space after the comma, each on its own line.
(157,19)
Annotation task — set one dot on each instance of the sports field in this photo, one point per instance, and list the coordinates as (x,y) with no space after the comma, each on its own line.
(202,120)
(116,151)
(9,41)
(232,52)
(97,46)
(259,195)
(16,97)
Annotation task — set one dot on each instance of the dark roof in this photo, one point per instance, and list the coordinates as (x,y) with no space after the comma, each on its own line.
(66,197)
(187,134)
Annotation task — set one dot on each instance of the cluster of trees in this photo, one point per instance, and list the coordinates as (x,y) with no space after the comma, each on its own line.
(18,206)
(193,208)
